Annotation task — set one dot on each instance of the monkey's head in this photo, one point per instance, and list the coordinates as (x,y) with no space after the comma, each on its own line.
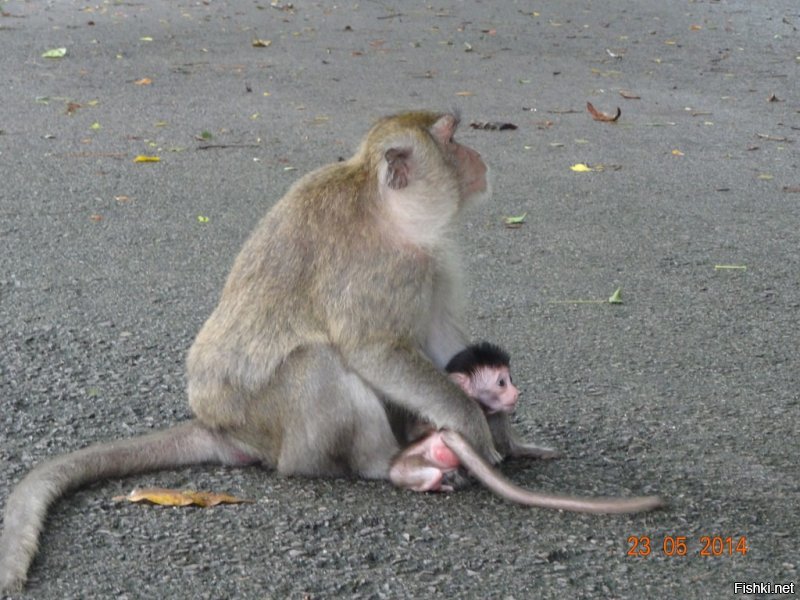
(483,372)
(424,176)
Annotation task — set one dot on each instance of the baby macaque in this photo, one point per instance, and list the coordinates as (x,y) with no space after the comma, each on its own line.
(483,372)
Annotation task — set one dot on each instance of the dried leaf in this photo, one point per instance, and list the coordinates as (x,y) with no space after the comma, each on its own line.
(143,81)
(791,189)
(169,497)
(72,107)
(773,98)
(601,116)
(492,125)
(581,168)
(677,153)
(256,43)
(773,138)
(465,93)
(96,218)
(628,95)
(730,267)
(55,53)
(143,159)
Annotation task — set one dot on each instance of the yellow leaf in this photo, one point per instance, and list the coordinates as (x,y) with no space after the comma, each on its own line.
(95,126)
(143,81)
(677,153)
(146,38)
(261,43)
(465,94)
(202,219)
(168,497)
(142,158)
(765,176)
(581,168)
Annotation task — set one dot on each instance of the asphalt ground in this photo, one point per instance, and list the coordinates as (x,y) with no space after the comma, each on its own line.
(688,389)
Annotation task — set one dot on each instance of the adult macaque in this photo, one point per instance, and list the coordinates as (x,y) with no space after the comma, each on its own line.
(345,296)
(345,300)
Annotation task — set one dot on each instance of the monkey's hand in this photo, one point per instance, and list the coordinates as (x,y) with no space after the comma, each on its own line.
(409,380)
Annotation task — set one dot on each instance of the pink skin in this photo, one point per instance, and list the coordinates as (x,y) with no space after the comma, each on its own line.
(422,466)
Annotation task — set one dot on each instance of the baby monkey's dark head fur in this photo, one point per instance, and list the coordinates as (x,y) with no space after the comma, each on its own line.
(478,356)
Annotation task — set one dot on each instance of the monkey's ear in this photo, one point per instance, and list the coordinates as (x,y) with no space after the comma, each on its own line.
(398,162)
(462,380)
(444,129)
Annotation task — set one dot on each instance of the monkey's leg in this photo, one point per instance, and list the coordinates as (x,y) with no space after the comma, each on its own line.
(508,443)
(186,444)
(334,424)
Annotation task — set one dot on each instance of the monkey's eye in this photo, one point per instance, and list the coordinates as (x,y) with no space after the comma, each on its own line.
(501,382)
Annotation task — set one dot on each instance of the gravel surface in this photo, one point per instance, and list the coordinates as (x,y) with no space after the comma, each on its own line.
(688,389)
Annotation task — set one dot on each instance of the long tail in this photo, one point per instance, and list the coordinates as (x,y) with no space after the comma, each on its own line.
(504,488)
(186,444)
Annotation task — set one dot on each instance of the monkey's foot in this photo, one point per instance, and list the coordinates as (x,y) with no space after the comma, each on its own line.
(536,452)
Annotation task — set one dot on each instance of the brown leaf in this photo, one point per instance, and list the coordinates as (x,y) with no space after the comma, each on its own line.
(492,125)
(773,98)
(628,95)
(791,189)
(143,81)
(601,116)
(72,107)
(169,497)
(257,43)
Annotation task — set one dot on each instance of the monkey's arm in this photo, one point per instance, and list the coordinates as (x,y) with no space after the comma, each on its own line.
(508,444)
(445,340)
(405,377)
(446,336)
